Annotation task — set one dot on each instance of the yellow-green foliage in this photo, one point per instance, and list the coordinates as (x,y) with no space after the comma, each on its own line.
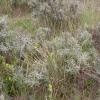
(24,23)
(90,17)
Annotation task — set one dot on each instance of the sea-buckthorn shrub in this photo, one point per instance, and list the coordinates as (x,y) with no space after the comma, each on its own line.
(57,14)
(18,55)
(46,65)
(65,55)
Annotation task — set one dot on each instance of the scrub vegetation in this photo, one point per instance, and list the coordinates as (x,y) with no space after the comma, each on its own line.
(49,50)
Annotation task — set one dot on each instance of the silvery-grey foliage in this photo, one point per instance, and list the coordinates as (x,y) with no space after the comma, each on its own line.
(23,41)
(75,52)
(43,33)
(3,48)
(3,23)
(15,41)
(3,33)
(47,55)
(20,44)
(56,12)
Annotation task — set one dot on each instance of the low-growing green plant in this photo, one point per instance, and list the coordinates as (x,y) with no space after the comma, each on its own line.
(24,23)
